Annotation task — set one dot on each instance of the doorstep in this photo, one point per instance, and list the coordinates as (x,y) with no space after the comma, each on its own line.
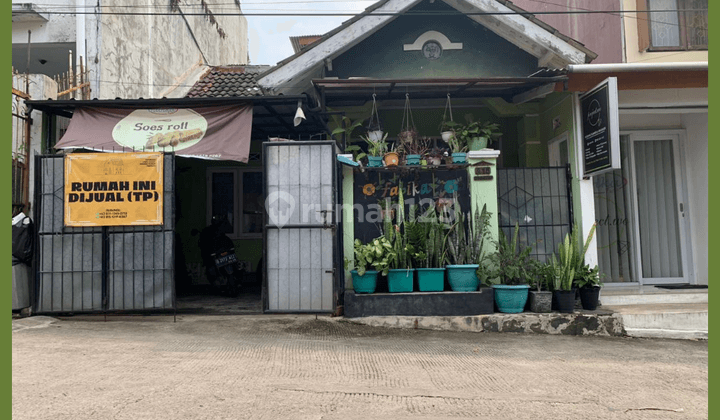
(667,320)
(600,322)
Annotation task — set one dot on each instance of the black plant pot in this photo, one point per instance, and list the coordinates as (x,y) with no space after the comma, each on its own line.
(589,297)
(565,300)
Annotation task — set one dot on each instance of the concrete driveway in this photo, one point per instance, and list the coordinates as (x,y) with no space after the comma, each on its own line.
(303,367)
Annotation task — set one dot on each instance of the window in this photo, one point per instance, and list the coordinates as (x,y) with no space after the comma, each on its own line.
(237,194)
(675,25)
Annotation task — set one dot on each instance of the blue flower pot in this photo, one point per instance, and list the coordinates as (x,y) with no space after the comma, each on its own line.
(463,278)
(431,279)
(459,157)
(511,299)
(375,161)
(365,283)
(412,159)
(400,280)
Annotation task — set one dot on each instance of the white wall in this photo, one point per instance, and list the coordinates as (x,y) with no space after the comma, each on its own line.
(694,145)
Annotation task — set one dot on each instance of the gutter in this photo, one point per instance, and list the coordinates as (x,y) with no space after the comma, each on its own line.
(637,67)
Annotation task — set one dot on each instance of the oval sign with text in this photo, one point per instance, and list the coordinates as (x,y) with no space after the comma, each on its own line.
(160,129)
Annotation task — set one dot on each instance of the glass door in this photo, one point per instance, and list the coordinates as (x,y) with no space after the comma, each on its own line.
(659,228)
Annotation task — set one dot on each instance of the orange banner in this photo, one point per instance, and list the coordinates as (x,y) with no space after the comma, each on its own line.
(113,189)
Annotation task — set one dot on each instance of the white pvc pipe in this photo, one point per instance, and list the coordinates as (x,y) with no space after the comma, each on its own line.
(631,67)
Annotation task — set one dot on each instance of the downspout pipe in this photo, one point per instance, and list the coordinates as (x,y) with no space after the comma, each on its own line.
(637,67)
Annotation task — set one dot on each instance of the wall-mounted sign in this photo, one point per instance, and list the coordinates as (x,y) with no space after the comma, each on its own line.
(600,143)
(376,192)
(113,189)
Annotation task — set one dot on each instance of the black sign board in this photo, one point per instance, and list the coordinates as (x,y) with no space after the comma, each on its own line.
(420,187)
(600,131)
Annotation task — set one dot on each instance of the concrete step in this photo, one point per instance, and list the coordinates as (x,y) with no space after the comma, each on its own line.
(664,320)
(620,298)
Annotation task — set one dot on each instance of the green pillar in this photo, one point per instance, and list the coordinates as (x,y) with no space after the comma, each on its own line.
(482,174)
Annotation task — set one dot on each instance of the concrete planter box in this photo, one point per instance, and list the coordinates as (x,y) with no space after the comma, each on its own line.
(480,302)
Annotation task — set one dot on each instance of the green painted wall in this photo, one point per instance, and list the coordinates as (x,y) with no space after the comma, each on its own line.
(191,209)
(484,54)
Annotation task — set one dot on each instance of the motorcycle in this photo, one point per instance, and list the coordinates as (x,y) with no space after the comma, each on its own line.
(218,254)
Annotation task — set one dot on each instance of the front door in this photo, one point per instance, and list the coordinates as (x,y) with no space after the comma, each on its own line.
(658,209)
(300,229)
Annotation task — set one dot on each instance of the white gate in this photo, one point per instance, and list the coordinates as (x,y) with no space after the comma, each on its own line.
(300,229)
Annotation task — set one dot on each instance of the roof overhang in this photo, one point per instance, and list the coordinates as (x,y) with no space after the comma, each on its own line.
(337,92)
(519,27)
(272,115)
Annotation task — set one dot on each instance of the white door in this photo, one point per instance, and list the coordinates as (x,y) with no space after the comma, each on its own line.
(658,209)
(558,150)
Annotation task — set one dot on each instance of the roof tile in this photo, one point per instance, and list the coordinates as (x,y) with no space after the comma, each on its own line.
(227,81)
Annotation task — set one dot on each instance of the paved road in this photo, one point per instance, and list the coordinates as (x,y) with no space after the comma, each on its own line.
(300,367)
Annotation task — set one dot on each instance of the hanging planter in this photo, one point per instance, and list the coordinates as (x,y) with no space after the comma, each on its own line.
(447,128)
(374,130)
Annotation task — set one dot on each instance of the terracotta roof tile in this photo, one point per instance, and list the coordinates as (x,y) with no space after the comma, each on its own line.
(228,81)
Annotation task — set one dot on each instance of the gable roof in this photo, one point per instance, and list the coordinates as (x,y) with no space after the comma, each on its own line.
(516,25)
(228,81)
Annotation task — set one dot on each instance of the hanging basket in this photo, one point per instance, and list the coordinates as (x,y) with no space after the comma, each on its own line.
(374,129)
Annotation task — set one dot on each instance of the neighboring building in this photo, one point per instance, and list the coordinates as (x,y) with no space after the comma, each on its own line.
(129,56)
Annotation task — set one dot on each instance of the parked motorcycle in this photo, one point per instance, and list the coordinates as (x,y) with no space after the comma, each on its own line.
(218,254)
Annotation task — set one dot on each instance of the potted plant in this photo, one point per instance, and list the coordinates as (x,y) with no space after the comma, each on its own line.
(431,234)
(482,134)
(391,157)
(570,259)
(400,274)
(466,251)
(588,281)
(447,130)
(435,155)
(374,130)
(373,255)
(513,265)
(376,150)
(413,149)
(458,147)
(541,276)
(344,131)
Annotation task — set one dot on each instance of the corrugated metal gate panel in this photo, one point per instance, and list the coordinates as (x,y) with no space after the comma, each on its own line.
(72,261)
(300,259)
(540,201)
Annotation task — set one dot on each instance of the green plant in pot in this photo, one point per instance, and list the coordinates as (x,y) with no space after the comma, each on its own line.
(413,149)
(482,135)
(569,260)
(344,132)
(465,250)
(428,235)
(435,155)
(541,275)
(458,147)
(370,259)
(375,150)
(588,281)
(447,130)
(513,267)
(401,272)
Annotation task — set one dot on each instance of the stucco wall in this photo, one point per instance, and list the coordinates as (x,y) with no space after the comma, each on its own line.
(146,56)
(632,49)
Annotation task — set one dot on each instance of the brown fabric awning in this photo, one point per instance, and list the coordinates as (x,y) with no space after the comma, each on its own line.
(216,133)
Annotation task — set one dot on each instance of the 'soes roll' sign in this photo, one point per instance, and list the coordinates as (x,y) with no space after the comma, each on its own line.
(113,189)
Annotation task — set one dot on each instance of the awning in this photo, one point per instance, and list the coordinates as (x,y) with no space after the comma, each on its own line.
(216,133)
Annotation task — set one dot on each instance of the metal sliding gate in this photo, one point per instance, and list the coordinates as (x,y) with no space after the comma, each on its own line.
(539,200)
(98,269)
(300,235)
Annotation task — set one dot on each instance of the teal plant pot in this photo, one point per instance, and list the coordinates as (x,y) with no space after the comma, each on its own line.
(431,279)
(412,159)
(477,143)
(459,157)
(511,299)
(375,161)
(400,280)
(463,278)
(365,283)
